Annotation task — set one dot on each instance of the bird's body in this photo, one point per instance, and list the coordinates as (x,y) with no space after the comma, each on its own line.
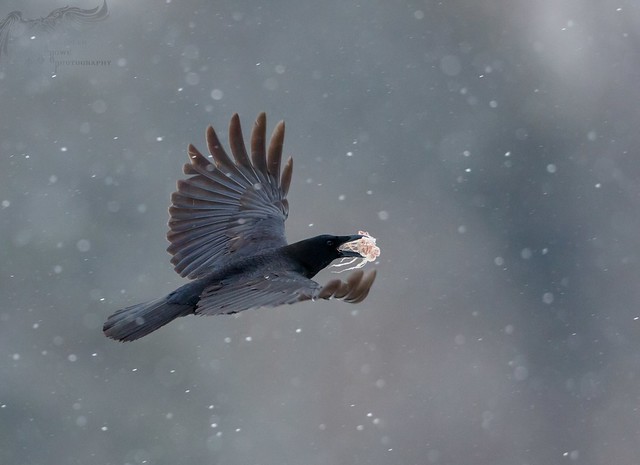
(227,235)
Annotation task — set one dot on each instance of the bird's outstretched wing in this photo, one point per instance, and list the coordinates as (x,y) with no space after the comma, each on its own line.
(354,290)
(229,207)
(279,289)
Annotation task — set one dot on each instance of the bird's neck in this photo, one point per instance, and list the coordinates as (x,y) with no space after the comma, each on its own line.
(304,258)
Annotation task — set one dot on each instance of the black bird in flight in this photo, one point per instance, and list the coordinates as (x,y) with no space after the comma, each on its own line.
(226,230)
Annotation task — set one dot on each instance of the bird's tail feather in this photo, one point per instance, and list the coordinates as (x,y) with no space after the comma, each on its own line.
(133,322)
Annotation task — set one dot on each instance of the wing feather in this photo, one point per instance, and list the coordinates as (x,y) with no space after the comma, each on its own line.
(237,143)
(354,290)
(258,156)
(285,180)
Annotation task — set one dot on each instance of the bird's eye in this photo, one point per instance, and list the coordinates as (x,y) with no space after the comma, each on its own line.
(330,243)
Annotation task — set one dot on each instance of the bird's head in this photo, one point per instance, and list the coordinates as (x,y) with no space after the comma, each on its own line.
(318,252)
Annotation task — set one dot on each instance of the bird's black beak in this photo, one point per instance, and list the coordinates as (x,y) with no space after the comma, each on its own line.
(343,247)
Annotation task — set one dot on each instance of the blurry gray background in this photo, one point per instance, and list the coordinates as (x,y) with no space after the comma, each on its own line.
(490,146)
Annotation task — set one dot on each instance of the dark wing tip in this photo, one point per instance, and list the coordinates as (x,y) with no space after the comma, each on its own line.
(329,289)
(361,289)
(236,142)
(193,152)
(258,140)
(274,154)
(213,143)
(353,291)
(285,179)
(216,150)
(197,160)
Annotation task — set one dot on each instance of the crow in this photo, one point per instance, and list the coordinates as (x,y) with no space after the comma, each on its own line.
(226,230)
